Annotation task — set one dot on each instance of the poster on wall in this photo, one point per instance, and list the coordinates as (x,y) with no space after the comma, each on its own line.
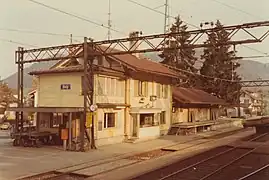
(89,119)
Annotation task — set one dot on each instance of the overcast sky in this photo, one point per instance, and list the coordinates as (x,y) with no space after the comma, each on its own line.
(126,16)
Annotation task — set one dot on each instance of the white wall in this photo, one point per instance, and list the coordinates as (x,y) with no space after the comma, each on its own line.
(149,132)
(50,94)
(110,135)
(165,104)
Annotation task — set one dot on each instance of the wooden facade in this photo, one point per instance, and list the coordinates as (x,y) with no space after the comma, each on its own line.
(131,105)
(194,109)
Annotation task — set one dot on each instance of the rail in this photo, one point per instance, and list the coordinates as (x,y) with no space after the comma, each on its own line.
(214,156)
(254,172)
(60,173)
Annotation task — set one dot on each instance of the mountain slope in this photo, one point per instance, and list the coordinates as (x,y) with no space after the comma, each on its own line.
(12,79)
(249,70)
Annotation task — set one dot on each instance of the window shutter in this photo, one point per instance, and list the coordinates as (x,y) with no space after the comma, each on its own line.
(114,87)
(101,82)
(146,89)
(108,86)
(136,87)
(158,90)
(165,91)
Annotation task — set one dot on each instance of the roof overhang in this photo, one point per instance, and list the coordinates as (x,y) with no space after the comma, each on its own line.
(47,109)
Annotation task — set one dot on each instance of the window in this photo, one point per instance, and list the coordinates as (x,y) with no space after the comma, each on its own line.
(162,118)
(108,86)
(191,117)
(113,89)
(44,123)
(141,88)
(147,120)
(162,90)
(44,120)
(109,120)
(56,120)
(101,86)
(158,90)
(165,91)
(120,88)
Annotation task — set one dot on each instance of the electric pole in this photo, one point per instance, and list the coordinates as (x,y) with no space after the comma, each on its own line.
(166,16)
(109,20)
(71,38)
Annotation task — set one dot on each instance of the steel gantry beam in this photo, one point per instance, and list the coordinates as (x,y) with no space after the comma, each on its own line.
(151,43)
(256,83)
(142,44)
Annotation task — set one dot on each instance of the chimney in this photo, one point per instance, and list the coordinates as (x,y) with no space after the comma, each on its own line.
(134,44)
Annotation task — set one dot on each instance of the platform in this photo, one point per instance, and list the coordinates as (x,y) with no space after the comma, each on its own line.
(260,123)
(190,128)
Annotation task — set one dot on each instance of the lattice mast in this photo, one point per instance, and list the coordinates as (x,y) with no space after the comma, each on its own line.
(109,22)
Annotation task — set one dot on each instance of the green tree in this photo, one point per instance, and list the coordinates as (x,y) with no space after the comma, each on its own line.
(179,54)
(219,63)
(6,95)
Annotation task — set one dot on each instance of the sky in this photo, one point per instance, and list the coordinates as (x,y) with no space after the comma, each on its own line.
(126,16)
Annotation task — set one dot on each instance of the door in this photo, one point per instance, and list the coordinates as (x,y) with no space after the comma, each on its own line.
(135,125)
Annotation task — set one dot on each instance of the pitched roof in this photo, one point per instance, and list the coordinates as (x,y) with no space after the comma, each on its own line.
(145,65)
(248,93)
(129,60)
(195,96)
(58,70)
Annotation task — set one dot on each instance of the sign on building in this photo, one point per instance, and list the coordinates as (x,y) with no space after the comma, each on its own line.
(65,86)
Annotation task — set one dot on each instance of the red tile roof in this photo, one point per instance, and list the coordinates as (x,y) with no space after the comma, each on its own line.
(195,96)
(129,60)
(141,64)
(146,65)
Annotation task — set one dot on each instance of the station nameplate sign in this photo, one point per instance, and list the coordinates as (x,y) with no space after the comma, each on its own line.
(65,86)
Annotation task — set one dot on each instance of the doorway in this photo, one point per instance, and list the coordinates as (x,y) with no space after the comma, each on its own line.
(135,125)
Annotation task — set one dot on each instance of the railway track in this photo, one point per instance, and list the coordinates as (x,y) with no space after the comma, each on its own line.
(216,164)
(72,172)
(260,174)
(264,137)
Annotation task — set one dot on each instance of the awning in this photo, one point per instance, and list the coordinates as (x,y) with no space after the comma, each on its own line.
(139,110)
(46,109)
(195,97)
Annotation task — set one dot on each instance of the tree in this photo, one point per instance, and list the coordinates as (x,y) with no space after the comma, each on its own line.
(183,57)
(6,95)
(219,63)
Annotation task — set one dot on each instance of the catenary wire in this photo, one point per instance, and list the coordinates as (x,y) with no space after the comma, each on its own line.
(16,42)
(237,9)
(245,12)
(149,8)
(75,16)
